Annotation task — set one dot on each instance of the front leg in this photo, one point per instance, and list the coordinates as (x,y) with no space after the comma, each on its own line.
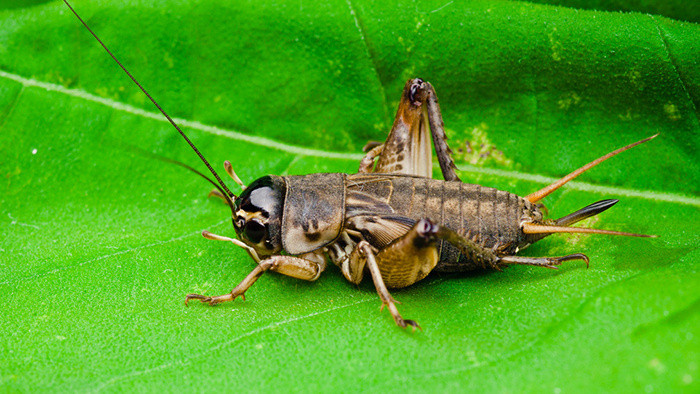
(296,267)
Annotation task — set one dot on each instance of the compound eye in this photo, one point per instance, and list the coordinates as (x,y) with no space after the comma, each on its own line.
(254,231)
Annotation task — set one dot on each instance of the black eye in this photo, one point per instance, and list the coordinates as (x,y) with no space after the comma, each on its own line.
(260,196)
(254,231)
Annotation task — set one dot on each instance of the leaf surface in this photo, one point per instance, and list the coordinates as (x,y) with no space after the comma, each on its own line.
(101,241)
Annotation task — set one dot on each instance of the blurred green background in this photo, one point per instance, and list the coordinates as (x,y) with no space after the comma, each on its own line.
(100,242)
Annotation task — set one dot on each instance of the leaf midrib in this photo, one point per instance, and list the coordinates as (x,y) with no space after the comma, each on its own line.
(301,151)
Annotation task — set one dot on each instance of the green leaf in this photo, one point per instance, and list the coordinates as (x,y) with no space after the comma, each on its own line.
(677,9)
(100,241)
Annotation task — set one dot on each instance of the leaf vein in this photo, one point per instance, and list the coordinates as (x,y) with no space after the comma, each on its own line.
(370,56)
(674,64)
(272,144)
(103,257)
(12,106)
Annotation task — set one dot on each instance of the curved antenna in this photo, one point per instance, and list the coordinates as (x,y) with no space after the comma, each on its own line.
(172,122)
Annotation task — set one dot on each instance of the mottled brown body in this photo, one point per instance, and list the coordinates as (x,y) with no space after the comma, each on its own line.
(314,209)
(392,220)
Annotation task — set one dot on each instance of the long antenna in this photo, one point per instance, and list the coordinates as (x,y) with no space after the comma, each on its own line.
(172,122)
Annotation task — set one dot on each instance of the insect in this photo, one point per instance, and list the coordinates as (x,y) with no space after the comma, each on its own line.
(391,220)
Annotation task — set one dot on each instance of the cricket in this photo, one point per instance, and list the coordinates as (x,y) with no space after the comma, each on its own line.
(391,221)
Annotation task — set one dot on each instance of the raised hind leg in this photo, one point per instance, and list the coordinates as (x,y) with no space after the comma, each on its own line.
(407,149)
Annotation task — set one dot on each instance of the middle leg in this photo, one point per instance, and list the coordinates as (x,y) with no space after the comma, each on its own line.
(387,300)
(403,262)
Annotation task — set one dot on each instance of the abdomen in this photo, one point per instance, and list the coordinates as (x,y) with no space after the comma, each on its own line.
(488,216)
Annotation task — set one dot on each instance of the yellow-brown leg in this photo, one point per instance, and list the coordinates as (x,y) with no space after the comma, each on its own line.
(411,257)
(286,265)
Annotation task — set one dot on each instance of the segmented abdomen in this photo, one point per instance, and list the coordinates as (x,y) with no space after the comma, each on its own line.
(488,216)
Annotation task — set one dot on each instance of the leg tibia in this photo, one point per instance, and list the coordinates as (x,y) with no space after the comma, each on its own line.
(286,265)
(387,299)
(547,262)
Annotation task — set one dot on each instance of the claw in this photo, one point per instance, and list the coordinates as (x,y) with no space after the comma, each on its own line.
(213,300)
(400,321)
(403,323)
(200,297)
(575,256)
(583,257)
(413,324)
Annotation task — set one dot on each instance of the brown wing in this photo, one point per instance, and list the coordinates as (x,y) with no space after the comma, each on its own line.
(380,230)
(367,209)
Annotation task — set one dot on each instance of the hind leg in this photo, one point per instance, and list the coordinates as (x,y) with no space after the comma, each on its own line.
(488,258)
(547,262)
(407,149)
